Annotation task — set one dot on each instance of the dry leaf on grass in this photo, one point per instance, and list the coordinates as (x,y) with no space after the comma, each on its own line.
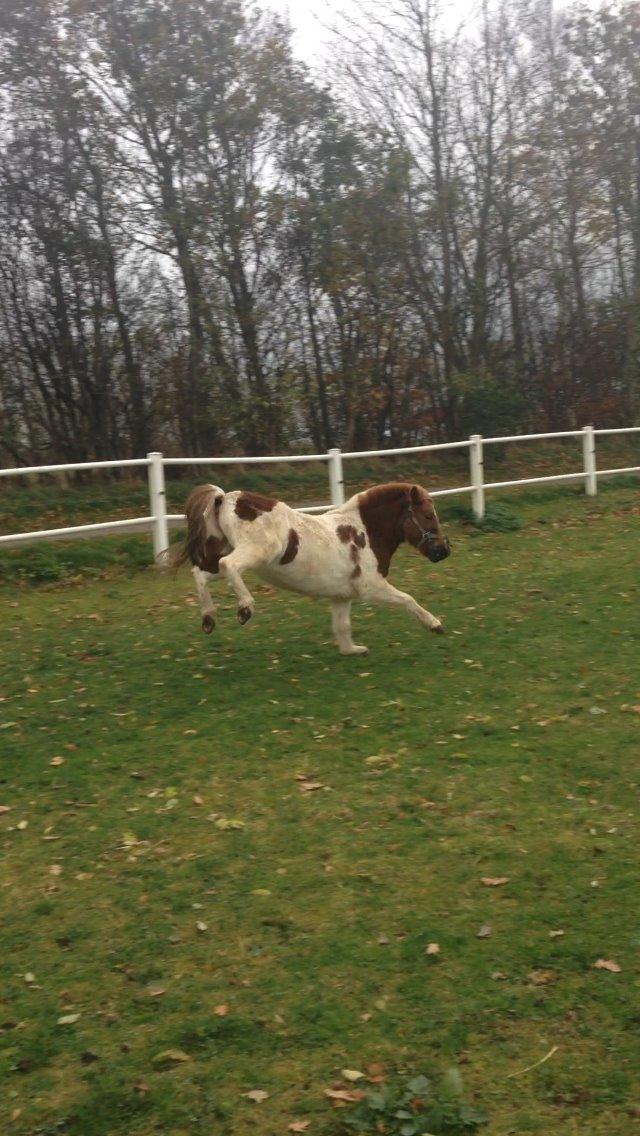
(349,1096)
(607,964)
(170,1057)
(299,1125)
(432,949)
(221,1011)
(494,881)
(351,1074)
(542,977)
(484,932)
(256,1095)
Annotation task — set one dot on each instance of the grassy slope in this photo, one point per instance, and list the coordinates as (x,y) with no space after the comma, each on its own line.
(491,758)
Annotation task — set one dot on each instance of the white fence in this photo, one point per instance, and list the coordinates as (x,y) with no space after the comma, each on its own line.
(159,521)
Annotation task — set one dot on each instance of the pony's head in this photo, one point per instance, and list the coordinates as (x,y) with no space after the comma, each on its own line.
(421,527)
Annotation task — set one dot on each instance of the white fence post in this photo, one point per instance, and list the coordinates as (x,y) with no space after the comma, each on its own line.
(158,500)
(589,456)
(476,462)
(336,477)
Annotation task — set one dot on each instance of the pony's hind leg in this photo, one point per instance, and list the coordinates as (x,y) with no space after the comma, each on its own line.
(341,624)
(207,607)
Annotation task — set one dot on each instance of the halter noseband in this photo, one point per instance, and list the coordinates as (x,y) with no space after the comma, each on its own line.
(425,536)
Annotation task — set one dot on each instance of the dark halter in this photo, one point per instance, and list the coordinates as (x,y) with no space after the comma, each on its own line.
(425,536)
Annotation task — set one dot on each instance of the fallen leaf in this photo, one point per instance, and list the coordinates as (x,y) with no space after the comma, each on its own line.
(310,786)
(22,824)
(170,1057)
(202,927)
(351,1074)
(484,932)
(556,934)
(256,1095)
(542,977)
(57,761)
(375,1071)
(156,991)
(607,964)
(299,1125)
(228,823)
(141,1088)
(197,800)
(55,870)
(69,1019)
(494,881)
(433,949)
(350,1095)
(221,1011)
(5,809)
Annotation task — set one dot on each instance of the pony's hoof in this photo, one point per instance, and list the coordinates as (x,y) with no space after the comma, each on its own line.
(438,629)
(208,623)
(244,614)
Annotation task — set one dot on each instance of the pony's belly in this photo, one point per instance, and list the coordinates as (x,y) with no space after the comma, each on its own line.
(308,580)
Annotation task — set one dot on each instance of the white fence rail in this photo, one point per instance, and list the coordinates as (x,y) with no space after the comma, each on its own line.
(159,522)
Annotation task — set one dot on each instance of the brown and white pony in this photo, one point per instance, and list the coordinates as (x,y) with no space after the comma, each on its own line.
(342,555)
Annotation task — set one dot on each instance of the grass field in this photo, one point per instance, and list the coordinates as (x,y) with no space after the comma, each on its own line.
(225,859)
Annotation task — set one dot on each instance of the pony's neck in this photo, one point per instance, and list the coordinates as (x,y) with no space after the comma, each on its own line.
(382,510)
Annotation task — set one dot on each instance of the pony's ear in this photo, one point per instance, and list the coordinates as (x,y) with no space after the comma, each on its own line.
(415,494)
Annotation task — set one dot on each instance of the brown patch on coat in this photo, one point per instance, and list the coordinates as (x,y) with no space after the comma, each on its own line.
(349,532)
(250,505)
(384,510)
(291,551)
(346,533)
(354,552)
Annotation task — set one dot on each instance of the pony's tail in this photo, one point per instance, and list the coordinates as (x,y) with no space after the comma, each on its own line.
(197,510)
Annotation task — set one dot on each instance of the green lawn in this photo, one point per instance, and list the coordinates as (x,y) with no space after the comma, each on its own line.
(170,884)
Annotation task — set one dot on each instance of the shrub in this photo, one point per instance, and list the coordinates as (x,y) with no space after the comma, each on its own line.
(413,1109)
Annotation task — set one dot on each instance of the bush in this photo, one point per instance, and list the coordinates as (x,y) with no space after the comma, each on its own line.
(412,1109)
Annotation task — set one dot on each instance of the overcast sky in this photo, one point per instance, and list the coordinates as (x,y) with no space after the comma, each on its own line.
(309,18)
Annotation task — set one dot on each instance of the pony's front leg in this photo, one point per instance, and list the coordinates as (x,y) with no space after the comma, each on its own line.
(381,591)
(207,607)
(232,566)
(341,624)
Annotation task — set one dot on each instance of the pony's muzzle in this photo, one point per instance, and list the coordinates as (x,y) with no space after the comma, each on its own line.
(437,552)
